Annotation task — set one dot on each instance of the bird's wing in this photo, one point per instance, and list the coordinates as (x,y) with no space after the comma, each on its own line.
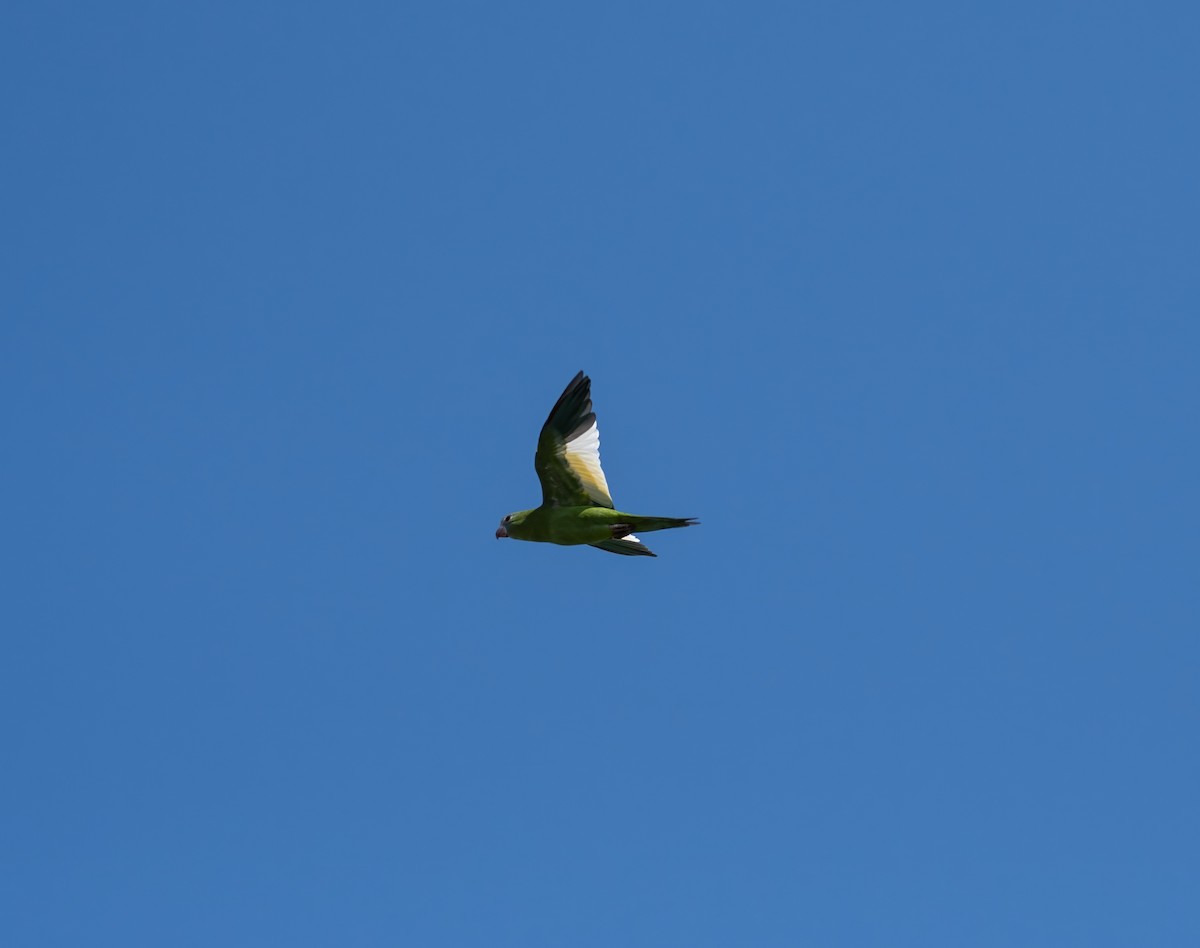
(568,451)
(626,546)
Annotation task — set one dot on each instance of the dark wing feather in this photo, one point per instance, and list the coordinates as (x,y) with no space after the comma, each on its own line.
(625,547)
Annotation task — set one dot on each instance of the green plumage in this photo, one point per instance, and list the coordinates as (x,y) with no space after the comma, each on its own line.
(576,507)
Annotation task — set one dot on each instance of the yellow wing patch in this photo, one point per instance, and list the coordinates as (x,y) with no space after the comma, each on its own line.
(582,455)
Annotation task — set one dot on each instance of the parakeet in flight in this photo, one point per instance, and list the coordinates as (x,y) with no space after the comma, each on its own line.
(576,506)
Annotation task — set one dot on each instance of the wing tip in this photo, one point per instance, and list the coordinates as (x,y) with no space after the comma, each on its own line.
(573,404)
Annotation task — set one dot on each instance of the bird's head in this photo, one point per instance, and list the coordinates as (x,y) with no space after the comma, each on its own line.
(511,525)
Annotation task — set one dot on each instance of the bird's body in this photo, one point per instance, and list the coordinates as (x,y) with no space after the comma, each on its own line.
(569,526)
(576,507)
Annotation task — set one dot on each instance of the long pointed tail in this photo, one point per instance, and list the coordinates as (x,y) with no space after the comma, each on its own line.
(648,524)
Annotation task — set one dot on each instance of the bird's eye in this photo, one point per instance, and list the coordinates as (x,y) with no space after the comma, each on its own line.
(508,518)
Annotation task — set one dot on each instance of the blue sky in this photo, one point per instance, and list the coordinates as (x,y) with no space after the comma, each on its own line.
(900,300)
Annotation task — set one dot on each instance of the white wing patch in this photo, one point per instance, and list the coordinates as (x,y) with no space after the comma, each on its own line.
(582,455)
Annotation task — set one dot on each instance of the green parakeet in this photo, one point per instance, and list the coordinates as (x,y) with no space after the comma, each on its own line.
(576,506)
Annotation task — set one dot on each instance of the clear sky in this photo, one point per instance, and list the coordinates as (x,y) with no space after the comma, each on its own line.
(900,300)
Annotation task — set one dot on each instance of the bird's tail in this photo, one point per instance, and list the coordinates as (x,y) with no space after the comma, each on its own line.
(649,524)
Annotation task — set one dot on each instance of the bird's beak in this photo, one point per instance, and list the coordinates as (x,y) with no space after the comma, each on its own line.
(501,533)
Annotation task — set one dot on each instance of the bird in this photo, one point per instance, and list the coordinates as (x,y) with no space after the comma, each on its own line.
(577,508)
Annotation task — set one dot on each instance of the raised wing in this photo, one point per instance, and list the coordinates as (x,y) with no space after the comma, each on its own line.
(568,451)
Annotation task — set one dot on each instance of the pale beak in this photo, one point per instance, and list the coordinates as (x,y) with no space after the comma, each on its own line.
(501,533)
